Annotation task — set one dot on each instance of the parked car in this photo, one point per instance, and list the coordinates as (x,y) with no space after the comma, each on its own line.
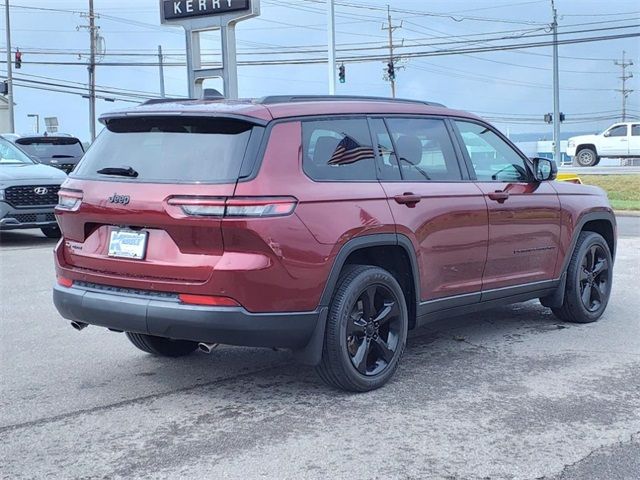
(60,151)
(621,140)
(28,191)
(329,226)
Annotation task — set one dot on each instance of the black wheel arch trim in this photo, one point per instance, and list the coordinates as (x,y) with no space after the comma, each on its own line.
(585,218)
(556,299)
(366,241)
(311,354)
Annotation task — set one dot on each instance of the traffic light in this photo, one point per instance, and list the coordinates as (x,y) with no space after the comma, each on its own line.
(4,88)
(391,71)
(18,59)
(548,117)
(561,117)
(341,74)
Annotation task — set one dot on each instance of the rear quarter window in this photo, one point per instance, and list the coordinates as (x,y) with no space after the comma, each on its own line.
(338,149)
(170,149)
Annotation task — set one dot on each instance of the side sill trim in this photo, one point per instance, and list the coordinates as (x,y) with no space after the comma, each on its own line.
(479,298)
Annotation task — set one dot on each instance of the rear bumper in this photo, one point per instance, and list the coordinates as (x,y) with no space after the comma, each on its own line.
(167,317)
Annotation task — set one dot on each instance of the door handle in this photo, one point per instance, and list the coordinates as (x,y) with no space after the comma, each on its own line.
(499,196)
(408,198)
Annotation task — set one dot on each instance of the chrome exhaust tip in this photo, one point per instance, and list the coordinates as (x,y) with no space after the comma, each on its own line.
(207,347)
(78,325)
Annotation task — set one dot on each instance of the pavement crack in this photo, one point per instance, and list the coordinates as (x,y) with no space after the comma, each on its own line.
(131,401)
(619,443)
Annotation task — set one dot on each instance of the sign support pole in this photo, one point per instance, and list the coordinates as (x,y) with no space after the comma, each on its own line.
(229,61)
(203,16)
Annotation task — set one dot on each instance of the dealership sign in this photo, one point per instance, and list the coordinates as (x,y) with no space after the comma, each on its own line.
(178,9)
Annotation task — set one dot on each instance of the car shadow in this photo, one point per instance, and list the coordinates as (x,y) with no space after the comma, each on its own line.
(25,238)
(496,328)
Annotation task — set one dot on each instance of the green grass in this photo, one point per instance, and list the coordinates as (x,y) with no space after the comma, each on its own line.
(623,190)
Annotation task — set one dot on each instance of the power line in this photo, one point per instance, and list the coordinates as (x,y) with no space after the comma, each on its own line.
(375,57)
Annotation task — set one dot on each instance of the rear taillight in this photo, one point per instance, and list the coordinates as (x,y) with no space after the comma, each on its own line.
(200,206)
(245,207)
(260,207)
(65,282)
(69,199)
(209,300)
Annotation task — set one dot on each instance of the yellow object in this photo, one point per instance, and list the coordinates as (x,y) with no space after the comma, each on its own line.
(568,177)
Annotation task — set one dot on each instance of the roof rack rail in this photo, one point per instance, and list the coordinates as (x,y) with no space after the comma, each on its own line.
(154,101)
(271,99)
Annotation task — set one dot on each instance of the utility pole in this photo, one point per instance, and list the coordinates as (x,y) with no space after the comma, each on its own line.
(625,76)
(556,89)
(391,70)
(161,66)
(92,72)
(12,126)
(331,31)
(93,36)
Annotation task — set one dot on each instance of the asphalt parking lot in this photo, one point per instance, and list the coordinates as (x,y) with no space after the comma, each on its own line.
(508,393)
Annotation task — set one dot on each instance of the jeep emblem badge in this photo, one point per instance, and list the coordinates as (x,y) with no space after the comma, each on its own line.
(121,199)
(41,190)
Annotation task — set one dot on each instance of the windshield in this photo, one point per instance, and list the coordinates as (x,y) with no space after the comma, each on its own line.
(10,154)
(168,149)
(52,147)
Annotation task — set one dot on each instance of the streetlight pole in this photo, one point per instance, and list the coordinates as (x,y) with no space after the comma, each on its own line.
(331,30)
(556,89)
(37,117)
(12,126)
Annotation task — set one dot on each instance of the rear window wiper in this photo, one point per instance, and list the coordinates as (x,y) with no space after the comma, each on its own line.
(61,156)
(121,171)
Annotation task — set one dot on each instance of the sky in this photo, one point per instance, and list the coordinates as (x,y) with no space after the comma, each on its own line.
(513,89)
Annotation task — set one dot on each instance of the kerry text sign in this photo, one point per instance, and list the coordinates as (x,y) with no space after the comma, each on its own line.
(178,9)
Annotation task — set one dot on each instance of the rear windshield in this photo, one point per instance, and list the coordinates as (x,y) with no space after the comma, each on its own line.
(52,147)
(169,150)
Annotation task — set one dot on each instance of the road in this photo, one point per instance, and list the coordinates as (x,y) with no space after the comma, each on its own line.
(600,170)
(508,393)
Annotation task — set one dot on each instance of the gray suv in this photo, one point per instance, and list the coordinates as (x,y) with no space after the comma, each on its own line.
(28,191)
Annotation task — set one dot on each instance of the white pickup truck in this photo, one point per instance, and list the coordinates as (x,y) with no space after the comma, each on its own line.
(618,141)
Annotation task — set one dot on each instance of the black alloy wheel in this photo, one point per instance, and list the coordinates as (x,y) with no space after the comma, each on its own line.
(366,330)
(588,280)
(594,278)
(373,330)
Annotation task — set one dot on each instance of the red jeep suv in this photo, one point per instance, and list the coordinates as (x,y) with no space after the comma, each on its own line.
(329,226)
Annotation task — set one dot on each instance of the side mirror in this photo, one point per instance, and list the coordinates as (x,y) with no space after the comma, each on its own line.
(544,169)
(606,134)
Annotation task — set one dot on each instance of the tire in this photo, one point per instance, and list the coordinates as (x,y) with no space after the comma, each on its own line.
(589,276)
(359,352)
(587,157)
(51,232)
(162,347)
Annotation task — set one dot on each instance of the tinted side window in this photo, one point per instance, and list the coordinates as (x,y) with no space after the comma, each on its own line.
(635,129)
(389,169)
(338,150)
(619,131)
(424,149)
(492,158)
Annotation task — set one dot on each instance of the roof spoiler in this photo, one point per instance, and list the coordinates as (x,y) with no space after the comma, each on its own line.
(207,94)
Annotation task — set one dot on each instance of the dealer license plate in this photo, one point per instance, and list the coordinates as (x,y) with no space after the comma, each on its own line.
(127,244)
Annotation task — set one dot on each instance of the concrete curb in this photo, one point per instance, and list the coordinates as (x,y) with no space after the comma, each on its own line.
(627,213)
